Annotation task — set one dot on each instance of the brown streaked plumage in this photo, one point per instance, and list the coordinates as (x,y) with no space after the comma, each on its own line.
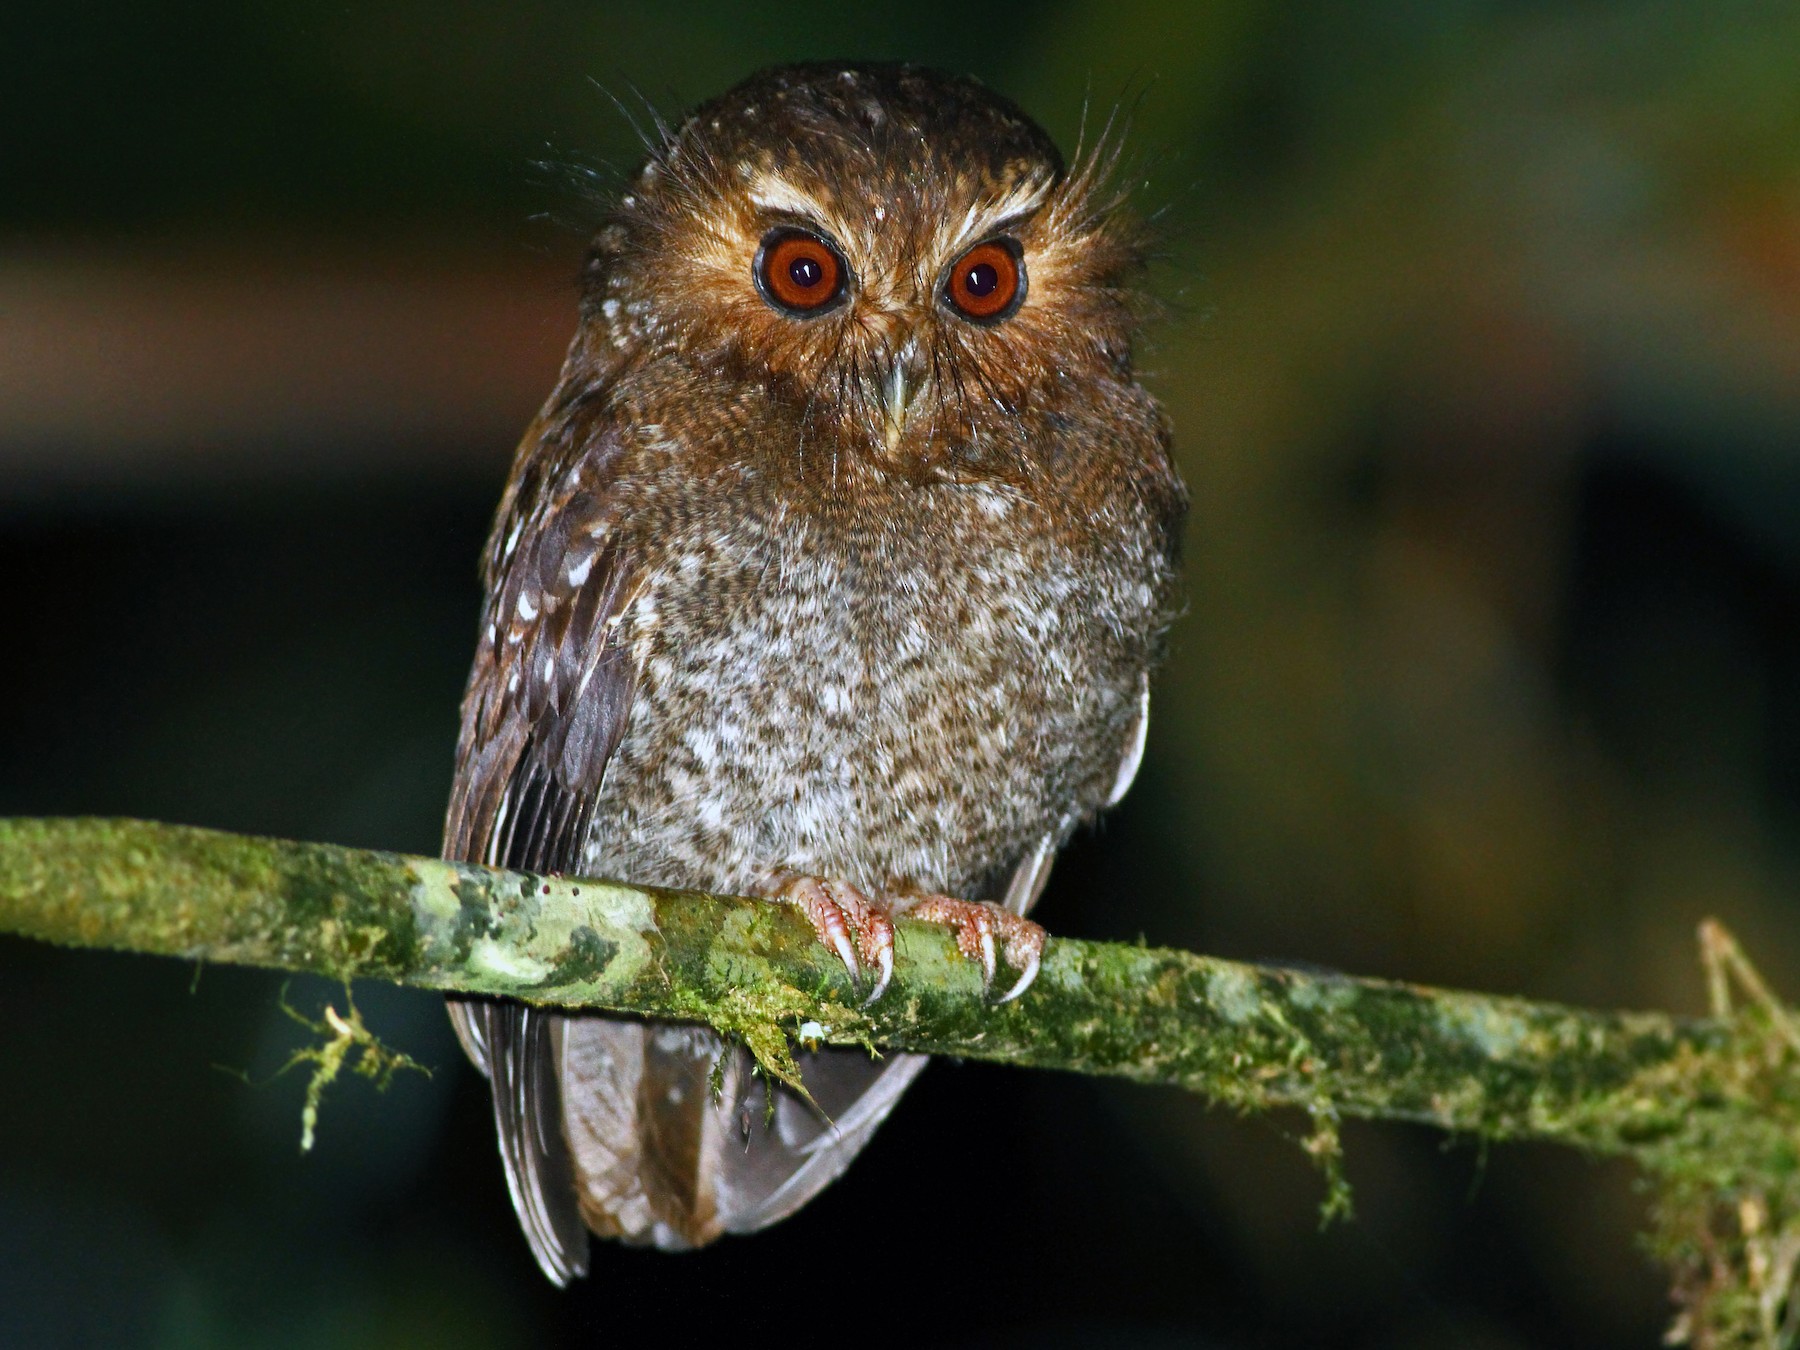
(839,584)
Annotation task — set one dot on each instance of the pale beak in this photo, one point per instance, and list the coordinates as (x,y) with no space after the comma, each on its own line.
(904,382)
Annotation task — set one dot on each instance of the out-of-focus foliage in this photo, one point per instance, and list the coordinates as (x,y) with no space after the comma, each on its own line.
(1482,344)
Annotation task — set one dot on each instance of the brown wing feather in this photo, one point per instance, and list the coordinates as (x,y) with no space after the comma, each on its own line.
(546,705)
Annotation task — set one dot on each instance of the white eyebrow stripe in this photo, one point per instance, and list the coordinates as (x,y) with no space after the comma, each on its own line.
(771,192)
(982,217)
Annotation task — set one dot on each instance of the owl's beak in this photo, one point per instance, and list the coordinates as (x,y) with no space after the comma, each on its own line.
(906,379)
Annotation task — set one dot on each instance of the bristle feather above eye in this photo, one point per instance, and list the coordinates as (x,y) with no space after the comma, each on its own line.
(656,137)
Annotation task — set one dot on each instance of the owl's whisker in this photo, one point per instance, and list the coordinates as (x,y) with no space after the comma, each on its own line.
(1021,462)
(812,399)
(938,359)
(1004,405)
(867,405)
(853,392)
(1087,99)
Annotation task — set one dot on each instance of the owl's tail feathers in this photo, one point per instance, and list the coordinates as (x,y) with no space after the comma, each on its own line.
(673,1137)
(514,1046)
(661,1134)
(806,1151)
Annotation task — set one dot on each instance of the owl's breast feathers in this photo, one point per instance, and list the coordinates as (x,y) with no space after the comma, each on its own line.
(897,684)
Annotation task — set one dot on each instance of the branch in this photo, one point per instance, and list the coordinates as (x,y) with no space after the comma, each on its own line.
(1709,1108)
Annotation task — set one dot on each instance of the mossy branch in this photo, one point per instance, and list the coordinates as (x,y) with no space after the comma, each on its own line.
(1709,1108)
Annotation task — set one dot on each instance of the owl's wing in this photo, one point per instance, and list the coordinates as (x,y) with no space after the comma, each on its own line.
(546,705)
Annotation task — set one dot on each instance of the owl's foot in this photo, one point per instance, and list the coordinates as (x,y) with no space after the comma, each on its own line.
(979,927)
(846,921)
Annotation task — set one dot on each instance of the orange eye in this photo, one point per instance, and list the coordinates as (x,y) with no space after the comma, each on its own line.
(799,273)
(987,283)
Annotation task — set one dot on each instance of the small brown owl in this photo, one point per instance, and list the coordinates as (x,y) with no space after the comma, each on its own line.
(832,571)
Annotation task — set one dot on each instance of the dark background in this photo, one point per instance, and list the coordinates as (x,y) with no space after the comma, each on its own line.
(1481,341)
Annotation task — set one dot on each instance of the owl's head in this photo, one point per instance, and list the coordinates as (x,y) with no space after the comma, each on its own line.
(898,255)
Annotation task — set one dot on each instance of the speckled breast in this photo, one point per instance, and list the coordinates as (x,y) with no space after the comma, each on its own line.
(908,694)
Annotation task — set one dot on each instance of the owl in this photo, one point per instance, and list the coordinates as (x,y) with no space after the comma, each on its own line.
(832,572)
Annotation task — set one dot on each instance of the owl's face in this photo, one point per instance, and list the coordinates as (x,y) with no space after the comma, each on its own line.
(898,255)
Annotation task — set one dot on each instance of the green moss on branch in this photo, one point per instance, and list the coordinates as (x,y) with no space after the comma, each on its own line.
(1709,1107)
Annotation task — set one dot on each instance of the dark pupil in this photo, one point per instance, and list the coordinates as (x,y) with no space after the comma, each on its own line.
(982,279)
(805,273)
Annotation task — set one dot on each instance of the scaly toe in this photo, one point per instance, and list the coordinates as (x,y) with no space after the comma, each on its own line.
(851,924)
(873,931)
(825,912)
(845,920)
(979,928)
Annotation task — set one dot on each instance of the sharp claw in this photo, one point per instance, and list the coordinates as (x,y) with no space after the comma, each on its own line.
(1024,982)
(987,958)
(885,964)
(840,943)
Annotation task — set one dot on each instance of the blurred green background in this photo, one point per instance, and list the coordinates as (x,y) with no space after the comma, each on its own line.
(1482,343)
